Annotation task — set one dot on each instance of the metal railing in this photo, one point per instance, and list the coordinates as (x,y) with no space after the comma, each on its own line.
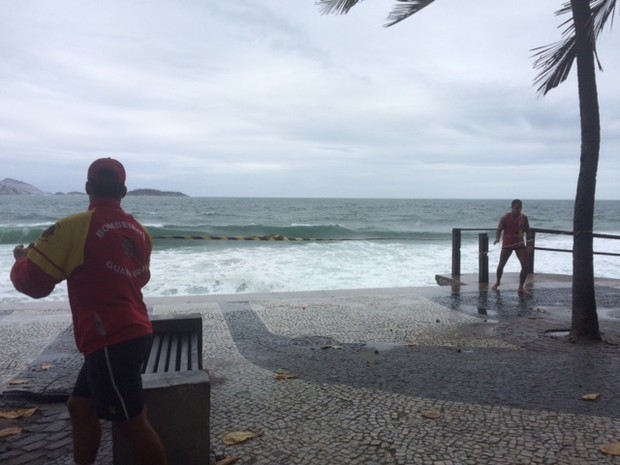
(483,249)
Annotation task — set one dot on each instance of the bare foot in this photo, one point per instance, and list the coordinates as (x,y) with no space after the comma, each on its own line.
(523,290)
(495,286)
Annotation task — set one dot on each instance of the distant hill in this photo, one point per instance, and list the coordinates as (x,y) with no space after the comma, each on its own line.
(10,186)
(156,192)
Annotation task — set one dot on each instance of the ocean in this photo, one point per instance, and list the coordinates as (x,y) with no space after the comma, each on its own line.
(340,243)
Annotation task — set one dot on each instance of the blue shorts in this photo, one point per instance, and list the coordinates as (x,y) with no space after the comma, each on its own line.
(112,377)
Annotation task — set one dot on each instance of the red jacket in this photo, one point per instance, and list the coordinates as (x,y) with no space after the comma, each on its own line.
(104,255)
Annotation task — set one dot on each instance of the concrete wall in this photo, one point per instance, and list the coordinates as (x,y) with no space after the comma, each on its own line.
(178,406)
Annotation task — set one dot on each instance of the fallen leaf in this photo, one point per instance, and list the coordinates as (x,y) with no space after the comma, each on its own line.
(284,376)
(433,414)
(611,448)
(14,414)
(46,366)
(591,396)
(18,382)
(27,412)
(237,437)
(227,461)
(7,432)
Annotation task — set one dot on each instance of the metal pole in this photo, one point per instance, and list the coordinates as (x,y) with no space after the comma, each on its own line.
(483,258)
(532,242)
(456,252)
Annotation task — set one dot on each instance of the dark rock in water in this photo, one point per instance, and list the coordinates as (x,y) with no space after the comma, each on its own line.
(10,186)
(156,192)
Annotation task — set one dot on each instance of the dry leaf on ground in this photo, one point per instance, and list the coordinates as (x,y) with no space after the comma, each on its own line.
(237,437)
(227,461)
(18,382)
(591,396)
(611,449)
(284,376)
(6,432)
(14,414)
(433,414)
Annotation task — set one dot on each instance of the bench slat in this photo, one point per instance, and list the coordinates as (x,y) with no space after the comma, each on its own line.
(151,363)
(184,351)
(173,348)
(162,365)
(177,344)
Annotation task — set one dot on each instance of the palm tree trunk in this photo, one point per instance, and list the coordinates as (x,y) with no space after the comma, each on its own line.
(584,316)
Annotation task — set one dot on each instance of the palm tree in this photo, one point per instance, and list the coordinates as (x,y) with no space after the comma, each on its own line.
(554,62)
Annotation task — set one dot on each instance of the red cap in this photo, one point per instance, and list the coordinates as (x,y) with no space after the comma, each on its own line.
(106,171)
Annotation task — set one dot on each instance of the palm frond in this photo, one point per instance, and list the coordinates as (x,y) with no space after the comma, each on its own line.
(404,9)
(338,7)
(556,60)
(401,11)
(602,10)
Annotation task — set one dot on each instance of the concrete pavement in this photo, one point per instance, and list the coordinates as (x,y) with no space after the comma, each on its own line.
(455,375)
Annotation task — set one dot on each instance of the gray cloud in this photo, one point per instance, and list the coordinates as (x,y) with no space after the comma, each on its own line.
(269,98)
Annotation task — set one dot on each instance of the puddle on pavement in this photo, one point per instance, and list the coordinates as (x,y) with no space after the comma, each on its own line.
(382,346)
(557,333)
(489,316)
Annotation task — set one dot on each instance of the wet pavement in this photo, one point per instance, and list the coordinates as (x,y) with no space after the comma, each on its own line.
(434,376)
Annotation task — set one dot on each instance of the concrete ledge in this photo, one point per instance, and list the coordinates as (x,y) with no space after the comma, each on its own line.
(178,406)
(448,280)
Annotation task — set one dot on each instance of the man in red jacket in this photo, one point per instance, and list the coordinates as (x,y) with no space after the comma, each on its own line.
(104,255)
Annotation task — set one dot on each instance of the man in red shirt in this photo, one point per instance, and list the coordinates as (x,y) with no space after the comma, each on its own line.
(104,255)
(515,227)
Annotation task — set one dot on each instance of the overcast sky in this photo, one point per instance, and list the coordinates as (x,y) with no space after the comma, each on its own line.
(269,98)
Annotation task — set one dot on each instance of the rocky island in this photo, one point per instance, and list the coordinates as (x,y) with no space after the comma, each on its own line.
(156,192)
(10,186)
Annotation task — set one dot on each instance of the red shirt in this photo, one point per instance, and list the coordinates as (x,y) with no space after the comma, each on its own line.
(104,255)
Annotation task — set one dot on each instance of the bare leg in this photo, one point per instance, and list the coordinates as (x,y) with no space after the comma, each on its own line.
(144,442)
(523,255)
(503,259)
(85,429)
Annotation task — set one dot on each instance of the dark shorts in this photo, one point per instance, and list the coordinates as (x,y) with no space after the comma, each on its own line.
(516,249)
(112,378)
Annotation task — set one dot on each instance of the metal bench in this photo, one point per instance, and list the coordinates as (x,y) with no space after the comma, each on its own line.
(176,391)
(177,344)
